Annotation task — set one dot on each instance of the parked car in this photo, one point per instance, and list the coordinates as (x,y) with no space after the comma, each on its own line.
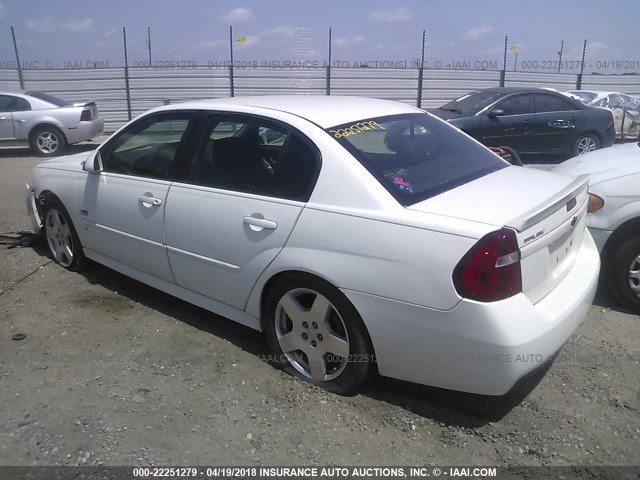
(46,123)
(366,236)
(530,120)
(614,218)
(625,109)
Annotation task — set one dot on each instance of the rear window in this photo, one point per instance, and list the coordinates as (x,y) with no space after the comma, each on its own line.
(415,156)
(49,98)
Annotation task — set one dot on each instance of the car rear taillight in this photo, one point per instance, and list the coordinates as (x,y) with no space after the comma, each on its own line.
(490,271)
(610,116)
(86,116)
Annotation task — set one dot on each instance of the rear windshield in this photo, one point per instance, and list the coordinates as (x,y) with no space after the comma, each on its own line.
(49,98)
(416,156)
(587,97)
(472,103)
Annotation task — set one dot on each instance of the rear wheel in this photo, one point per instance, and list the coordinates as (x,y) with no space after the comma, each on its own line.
(62,239)
(317,335)
(587,142)
(624,275)
(47,141)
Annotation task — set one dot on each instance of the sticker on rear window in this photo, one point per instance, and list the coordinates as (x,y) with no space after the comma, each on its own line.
(355,129)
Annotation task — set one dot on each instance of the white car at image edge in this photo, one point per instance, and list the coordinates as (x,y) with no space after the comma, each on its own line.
(361,236)
(614,221)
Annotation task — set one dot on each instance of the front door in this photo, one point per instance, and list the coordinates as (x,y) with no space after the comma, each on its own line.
(123,206)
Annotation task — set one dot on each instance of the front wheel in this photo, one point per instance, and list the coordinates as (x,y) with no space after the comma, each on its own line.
(587,142)
(47,141)
(624,276)
(62,239)
(316,334)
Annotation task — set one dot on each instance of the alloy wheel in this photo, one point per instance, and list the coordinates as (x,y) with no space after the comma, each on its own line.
(634,275)
(59,238)
(312,334)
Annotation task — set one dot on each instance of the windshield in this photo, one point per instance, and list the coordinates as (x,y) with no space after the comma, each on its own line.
(416,156)
(49,98)
(472,103)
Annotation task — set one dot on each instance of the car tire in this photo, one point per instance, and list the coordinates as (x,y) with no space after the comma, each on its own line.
(587,142)
(317,335)
(61,236)
(624,274)
(47,141)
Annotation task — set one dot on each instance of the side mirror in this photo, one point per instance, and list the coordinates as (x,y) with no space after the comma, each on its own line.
(496,112)
(93,164)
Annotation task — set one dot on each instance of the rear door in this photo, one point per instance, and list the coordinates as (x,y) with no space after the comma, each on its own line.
(234,210)
(123,206)
(557,121)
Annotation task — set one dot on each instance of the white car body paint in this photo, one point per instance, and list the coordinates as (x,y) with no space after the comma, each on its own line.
(393,263)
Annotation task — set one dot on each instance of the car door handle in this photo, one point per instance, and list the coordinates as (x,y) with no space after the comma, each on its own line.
(147,200)
(258,224)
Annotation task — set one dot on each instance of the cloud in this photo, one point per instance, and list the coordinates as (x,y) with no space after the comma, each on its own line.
(398,15)
(348,42)
(28,44)
(42,25)
(597,46)
(109,33)
(476,33)
(84,25)
(3,11)
(238,15)
(283,31)
(48,24)
(210,44)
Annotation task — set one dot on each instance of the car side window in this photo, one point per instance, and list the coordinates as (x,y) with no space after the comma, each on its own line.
(516,105)
(259,158)
(551,103)
(148,148)
(9,103)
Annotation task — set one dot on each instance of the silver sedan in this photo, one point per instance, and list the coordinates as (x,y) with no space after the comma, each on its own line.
(46,123)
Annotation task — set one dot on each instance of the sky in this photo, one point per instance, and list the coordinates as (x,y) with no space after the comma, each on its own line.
(463,33)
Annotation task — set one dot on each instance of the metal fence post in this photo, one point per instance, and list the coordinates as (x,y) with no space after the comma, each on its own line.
(15,46)
(421,72)
(328,73)
(503,72)
(579,79)
(231,85)
(126,73)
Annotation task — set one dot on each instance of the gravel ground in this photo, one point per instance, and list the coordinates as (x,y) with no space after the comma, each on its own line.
(116,373)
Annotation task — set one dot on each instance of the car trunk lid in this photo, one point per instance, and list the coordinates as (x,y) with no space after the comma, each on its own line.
(547,212)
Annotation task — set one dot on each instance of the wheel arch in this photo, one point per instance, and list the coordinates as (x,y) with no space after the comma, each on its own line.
(271,282)
(623,232)
(46,124)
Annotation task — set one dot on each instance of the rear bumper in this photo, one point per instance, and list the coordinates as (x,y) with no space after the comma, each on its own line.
(609,136)
(600,237)
(482,348)
(85,130)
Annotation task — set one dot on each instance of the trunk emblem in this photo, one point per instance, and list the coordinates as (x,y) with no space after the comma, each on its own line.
(574,220)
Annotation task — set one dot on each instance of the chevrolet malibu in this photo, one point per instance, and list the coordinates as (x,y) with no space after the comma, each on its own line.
(361,236)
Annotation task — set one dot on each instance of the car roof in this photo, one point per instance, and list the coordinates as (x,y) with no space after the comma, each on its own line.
(508,90)
(323,110)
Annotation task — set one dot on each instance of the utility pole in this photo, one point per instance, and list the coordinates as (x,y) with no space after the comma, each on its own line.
(560,55)
(149,43)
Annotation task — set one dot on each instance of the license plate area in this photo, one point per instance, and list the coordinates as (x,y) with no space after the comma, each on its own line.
(561,248)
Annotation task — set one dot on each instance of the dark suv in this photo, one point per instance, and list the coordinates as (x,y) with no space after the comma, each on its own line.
(530,120)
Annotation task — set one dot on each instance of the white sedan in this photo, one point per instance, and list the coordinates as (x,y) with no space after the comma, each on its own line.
(614,219)
(362,236)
